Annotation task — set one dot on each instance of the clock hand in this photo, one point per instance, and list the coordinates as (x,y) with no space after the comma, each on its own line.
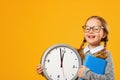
(62,60)
(61,57)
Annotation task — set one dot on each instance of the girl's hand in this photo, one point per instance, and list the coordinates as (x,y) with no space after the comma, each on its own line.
(39,69)
(80,71)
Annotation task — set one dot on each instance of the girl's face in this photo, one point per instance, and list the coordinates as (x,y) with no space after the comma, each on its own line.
(93,37)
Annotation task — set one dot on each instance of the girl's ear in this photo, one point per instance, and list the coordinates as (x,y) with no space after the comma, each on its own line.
(104,35)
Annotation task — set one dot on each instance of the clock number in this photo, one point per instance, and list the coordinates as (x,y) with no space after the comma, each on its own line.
(75,58)
(45,68)
(58,76)
(73,66)
(50,75)
(48,60)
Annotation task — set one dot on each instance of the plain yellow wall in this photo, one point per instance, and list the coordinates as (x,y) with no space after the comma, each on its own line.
(29,27)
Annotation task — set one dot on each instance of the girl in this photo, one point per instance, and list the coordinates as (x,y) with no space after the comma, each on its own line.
(95,31)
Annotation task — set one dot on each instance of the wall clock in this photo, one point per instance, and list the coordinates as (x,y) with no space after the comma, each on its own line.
(61,62)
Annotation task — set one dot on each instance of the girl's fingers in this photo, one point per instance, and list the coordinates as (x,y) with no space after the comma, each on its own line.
(39,69)
(39,66)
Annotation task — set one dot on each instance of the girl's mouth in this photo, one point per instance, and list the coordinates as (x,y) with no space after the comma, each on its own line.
(91,37)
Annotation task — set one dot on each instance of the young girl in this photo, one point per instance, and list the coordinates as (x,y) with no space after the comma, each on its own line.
(95,32)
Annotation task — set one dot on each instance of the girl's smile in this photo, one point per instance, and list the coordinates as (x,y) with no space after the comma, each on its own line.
(91,36)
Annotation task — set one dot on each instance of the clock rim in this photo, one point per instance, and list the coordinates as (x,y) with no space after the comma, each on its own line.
(51,48)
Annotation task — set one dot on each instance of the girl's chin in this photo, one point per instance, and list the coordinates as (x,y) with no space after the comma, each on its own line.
(92,42)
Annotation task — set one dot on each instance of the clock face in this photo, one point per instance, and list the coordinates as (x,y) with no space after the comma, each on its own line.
(61,62)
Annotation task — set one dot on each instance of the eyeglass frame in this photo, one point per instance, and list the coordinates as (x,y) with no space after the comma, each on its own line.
(100,27)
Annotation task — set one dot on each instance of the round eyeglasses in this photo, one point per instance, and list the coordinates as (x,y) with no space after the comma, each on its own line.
(95,29)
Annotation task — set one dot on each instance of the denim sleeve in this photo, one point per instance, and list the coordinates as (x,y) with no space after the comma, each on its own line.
(109,71)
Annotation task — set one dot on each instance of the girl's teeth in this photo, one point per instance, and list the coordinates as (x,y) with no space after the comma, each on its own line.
(91,36)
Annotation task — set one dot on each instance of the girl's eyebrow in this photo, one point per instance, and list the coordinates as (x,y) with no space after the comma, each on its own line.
(92,26)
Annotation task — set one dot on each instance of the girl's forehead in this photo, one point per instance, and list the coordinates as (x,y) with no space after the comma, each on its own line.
(93,22)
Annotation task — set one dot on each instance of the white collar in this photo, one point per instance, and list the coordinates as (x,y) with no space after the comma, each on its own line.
(94,50)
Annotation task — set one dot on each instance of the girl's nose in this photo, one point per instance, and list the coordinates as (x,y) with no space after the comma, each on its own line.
(91,31)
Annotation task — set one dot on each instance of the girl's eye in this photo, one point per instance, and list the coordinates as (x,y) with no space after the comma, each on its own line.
(96,28)
(87,28)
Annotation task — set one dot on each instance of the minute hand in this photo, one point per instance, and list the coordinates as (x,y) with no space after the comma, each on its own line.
(61,57)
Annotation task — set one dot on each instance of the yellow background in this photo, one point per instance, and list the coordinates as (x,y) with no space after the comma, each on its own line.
(29,27)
